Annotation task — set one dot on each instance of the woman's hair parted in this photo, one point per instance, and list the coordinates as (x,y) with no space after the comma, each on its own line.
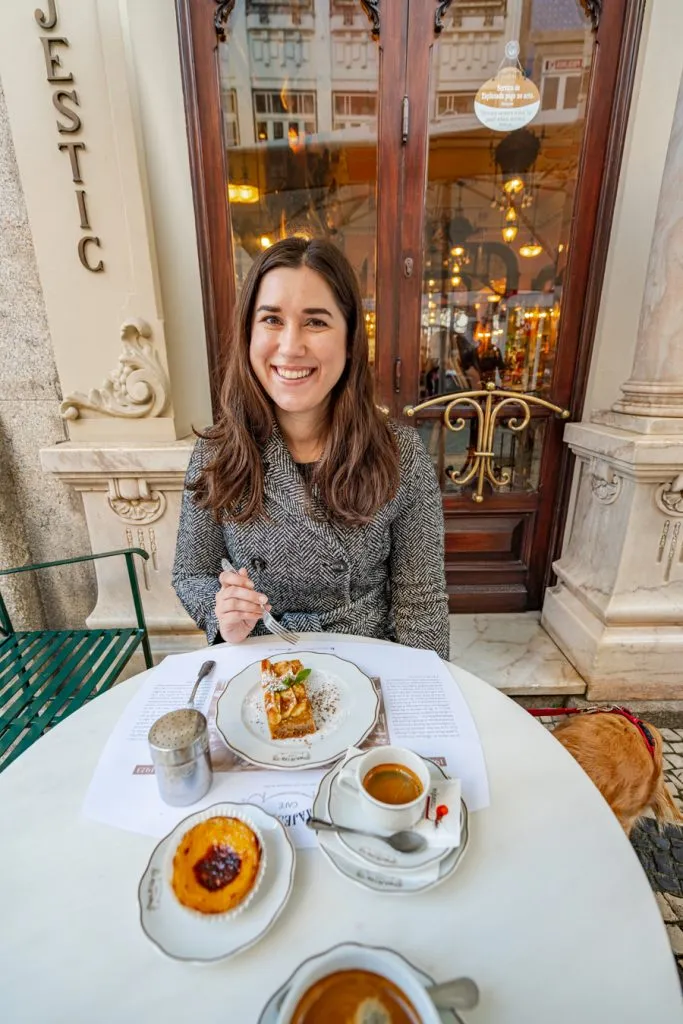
(359,469)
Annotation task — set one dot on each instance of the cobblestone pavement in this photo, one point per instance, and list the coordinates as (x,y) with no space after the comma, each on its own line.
(660,848)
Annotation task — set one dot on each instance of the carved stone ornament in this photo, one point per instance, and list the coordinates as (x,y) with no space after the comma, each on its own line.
(134,502)
(371,8)
(138,386)
(592,9)
(221,15)
(669,497)
(605,483)
(441,8)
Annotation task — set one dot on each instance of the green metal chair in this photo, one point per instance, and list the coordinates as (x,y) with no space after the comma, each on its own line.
(46,675)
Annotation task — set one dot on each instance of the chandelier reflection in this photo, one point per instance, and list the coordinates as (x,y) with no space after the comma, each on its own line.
(243,193)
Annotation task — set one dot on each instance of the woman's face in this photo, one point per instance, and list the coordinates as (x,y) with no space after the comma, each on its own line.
(298,340)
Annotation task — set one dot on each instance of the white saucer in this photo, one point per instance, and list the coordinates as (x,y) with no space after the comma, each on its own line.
(269,1014)
(380,878)
(344,808)
(184,936)
(345,706)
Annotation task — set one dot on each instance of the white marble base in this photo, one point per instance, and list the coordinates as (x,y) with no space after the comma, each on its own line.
(131,496)
(617,608)
(617,662)
(513,653)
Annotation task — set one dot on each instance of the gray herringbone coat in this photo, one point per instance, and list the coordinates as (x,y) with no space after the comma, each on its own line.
(385,579)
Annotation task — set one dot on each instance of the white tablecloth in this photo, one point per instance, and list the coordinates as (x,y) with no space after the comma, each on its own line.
(550,911)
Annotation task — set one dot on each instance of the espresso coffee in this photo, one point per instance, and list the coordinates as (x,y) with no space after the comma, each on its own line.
(392,784)
(354,995)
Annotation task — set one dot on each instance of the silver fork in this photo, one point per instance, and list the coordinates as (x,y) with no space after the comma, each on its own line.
(271,624)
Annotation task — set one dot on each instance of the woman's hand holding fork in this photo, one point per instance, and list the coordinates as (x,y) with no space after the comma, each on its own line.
(239,606)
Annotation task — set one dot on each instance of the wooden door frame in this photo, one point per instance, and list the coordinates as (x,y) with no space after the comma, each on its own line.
(406,36)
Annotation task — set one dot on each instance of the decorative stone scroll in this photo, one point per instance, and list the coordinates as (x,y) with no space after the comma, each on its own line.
(133,501)
(138,386)
(371,8)
(605,483)
(593,10)
(220,18)
(669,497)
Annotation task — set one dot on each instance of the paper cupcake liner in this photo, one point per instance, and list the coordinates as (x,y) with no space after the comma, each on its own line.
(225,810)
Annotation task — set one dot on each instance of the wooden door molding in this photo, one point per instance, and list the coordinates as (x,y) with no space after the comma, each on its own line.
(617,43)
(390,177)
(199,25)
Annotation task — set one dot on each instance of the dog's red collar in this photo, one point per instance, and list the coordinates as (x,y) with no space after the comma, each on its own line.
(615,709)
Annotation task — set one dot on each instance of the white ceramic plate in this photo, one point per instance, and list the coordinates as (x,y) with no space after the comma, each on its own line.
(345,706)
(379,878)
(269,1014)
(344,808)
(186,936)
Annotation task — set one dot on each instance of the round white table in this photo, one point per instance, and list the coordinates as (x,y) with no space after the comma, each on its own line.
(549,912)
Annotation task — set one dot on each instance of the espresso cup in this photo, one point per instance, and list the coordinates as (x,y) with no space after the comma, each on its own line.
(354,957)
(382,815)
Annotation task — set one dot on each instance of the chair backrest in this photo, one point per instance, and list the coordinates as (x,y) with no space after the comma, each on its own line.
(5,621)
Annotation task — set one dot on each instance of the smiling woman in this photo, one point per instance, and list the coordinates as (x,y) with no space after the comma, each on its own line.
(332,511)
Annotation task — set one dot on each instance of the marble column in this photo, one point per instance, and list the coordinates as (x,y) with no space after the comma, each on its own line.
(654,391)
(617,608)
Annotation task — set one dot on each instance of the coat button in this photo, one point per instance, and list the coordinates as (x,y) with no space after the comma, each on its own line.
(257,564)
(338,566)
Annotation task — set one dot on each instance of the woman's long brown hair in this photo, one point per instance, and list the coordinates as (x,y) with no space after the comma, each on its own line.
(359,468)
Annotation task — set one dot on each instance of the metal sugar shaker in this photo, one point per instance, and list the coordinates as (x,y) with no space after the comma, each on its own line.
(179,744)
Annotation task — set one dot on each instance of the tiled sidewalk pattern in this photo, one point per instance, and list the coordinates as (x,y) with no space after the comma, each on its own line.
(660,848)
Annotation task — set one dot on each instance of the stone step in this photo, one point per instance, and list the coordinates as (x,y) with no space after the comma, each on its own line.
(514,653)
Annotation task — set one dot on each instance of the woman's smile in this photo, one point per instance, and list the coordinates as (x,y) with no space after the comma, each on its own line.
(293,374)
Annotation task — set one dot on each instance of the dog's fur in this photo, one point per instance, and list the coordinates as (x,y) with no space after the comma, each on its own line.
(612,751)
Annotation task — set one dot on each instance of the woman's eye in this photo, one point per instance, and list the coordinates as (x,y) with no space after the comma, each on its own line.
(316,323)
(271,320)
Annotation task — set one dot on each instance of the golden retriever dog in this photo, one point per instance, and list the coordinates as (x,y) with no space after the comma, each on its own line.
(624,760)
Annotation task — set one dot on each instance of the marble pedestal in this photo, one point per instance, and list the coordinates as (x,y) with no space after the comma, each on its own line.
(131,497)
(617,609)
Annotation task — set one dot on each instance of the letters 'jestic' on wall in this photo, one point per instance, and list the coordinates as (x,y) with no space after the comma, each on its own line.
(69,122)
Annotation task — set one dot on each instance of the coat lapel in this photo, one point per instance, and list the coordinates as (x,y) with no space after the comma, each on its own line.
(284,487)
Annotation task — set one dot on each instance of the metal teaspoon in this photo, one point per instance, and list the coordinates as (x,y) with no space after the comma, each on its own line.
(404,842)
(458,994)
(207,667)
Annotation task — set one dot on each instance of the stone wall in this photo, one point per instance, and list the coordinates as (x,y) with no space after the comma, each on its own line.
(40,518)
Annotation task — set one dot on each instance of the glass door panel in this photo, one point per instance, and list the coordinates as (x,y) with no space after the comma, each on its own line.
(499,211)
(299,94)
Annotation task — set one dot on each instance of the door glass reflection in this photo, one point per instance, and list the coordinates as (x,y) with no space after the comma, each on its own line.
(499,209)
(299,84)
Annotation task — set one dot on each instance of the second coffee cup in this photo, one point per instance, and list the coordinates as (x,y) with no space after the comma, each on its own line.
(392,784)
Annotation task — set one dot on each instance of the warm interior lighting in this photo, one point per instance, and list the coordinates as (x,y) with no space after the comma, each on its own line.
(265,242)
(512,186)
(510,233)
(243,193)
(493,298)
(530,250)
(511,216)
(456,281)
(457,251)
(456,268)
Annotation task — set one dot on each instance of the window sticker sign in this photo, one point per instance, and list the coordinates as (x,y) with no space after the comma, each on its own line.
(509,100)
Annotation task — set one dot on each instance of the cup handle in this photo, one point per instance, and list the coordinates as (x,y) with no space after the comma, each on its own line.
(348,778)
